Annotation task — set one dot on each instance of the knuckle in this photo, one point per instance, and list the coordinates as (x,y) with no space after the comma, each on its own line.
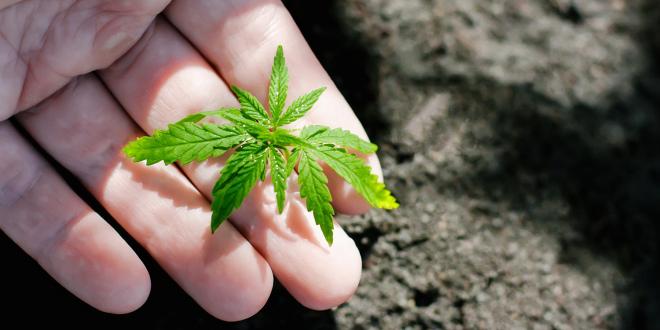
(19,169)
(31,200)
(12,78)
(148,7)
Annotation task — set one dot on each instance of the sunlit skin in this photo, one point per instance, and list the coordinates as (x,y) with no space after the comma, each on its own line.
(155,69)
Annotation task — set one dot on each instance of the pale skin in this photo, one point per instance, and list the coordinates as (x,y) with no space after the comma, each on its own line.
(85,77)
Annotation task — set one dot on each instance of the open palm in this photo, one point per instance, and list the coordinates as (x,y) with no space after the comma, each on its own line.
(95,74)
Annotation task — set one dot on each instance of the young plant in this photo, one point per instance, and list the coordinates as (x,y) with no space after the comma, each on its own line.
(261,142)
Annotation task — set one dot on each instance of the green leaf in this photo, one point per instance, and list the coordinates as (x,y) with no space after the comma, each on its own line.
(353,169)
(300,106)
(250,106)
(311,130)
(279,80)
(283,138)
(237,179)
(314,189)
(278,176)
(236,117)
(185,142)
(337,136)
(195,117)
(292,161)
(260,142)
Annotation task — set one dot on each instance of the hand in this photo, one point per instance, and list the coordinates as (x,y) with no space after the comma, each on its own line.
(83,119)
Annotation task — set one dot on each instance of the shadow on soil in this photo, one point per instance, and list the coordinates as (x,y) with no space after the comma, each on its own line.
(605,163)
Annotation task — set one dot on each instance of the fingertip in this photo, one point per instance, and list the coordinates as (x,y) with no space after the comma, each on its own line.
(318,275)
(247,301)
(337,281)
(346,199)
(129,295)
(233,281)
(91,260)
(124,285)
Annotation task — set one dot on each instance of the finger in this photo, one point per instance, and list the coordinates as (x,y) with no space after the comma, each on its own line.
(240,38)
(84,129)
(71,242)
(158,87)
(7,3)
(43,44)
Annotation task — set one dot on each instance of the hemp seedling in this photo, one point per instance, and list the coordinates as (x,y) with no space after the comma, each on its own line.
(261,142)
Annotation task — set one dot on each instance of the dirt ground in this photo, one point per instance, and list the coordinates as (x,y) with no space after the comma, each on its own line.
(522,139)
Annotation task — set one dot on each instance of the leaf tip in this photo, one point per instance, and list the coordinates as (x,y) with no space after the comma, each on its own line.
(393,205)
(127,150)
(328,237)
(388,202)
(215,222)
(237,90)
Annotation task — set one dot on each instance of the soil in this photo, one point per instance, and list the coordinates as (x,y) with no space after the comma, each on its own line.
(521,138)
